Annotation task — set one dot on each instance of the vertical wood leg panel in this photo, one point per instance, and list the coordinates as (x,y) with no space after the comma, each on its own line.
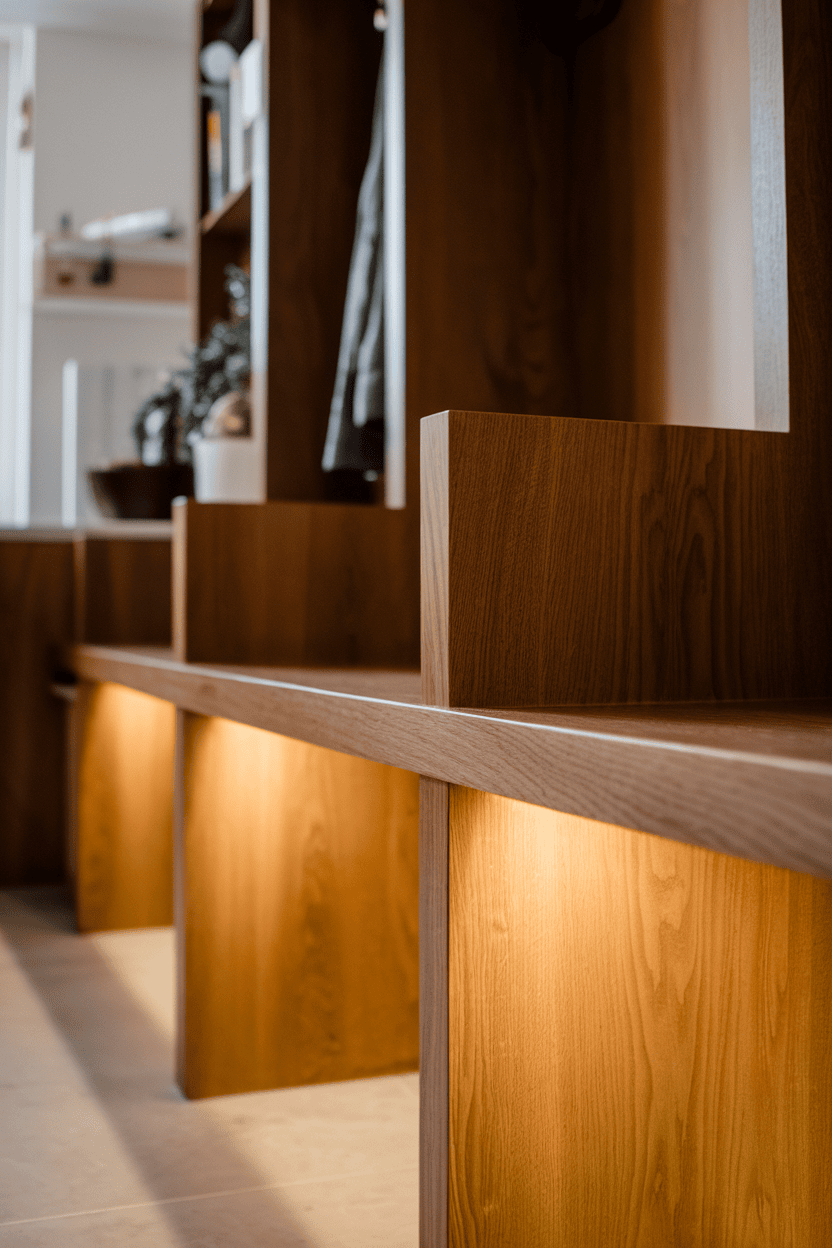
(433,1013)
(122,825)
(639,1039)
(179,897)
(300,903)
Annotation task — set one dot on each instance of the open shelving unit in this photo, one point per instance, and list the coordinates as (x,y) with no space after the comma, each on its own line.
(620,733)
(233,217)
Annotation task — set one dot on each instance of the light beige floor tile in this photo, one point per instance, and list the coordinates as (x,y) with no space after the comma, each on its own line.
(240,1220)
(143,962)
(375,1210)
(335,1129)
(91,1118)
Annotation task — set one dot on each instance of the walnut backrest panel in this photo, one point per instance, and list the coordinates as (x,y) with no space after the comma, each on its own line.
(601,561)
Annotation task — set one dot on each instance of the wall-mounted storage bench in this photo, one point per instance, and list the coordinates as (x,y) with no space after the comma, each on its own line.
(619,284)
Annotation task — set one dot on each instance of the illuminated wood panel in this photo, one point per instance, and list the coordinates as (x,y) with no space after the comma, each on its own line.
(299,927)
(123,821)
(640,1039)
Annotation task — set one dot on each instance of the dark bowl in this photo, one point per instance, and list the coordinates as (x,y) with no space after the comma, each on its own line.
(140,491)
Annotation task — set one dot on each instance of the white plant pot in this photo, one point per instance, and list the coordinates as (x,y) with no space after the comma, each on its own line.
(227,470)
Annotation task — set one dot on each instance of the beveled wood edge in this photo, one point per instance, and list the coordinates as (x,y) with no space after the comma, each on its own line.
(433,1014)
(180,900)
(121,530)
(765,808)
(434,557)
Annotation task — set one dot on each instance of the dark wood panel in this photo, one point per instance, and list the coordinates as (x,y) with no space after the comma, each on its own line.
(216,251)
(300,872)
(36,610)
(752,780)
(807,67)
(234,215)
(639,1039)
(615,173)
(297,583)
(323,66)
(600,561)
(433,1013)
(487,303)
(123,590)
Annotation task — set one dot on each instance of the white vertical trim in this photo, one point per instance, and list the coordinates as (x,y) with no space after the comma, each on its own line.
(69,444)
(16,320)
(394,258)
(260,291)
(768,209)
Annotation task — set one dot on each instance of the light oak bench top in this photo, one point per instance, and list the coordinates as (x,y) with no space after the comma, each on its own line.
(752,780)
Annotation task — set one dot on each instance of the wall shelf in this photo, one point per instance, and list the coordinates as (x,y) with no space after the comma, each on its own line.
(233,216)
(108,306)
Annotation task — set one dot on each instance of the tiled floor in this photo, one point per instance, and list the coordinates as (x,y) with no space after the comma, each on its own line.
(98,1147)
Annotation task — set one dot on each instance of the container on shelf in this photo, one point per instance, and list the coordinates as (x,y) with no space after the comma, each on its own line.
(227,470)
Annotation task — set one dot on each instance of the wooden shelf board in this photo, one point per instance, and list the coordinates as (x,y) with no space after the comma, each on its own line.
(108,305)
(233,217)
(754,781)
(142,530)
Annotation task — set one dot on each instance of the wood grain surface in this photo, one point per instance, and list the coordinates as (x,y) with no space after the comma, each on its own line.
(295,583)
(323,65)
(618,232)
(123,590)
(753,780)
(300,913)
(36,606)
(487,292)
(600,561)
(124,817)
(233,216)
(435,534)
(639,1042)
(433,1013)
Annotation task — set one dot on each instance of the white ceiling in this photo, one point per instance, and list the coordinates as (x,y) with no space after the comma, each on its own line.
(148,19)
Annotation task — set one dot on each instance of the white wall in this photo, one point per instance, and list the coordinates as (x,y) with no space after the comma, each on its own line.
(113,133)
(94,340)
(113,126)
(15,292)
(4,100)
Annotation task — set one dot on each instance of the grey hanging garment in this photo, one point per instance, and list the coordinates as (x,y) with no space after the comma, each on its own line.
(355,434)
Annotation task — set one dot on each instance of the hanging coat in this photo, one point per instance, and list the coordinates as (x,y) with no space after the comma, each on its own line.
(355,434)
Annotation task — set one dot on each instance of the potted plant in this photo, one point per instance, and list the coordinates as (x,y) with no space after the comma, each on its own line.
(216,404)
(145,490)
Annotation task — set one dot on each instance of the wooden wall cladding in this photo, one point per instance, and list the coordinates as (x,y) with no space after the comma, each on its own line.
(600,561)
(123,823)
(640,1039)
(323,66)
(295,583)
(123,590)
(36,608)
(433,1013)
(617,251)
(298,896)
(487,305)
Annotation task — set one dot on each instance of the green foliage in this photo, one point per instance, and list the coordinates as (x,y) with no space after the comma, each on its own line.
(218,365)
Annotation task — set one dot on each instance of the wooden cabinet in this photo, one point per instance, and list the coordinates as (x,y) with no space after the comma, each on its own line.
(625,931)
